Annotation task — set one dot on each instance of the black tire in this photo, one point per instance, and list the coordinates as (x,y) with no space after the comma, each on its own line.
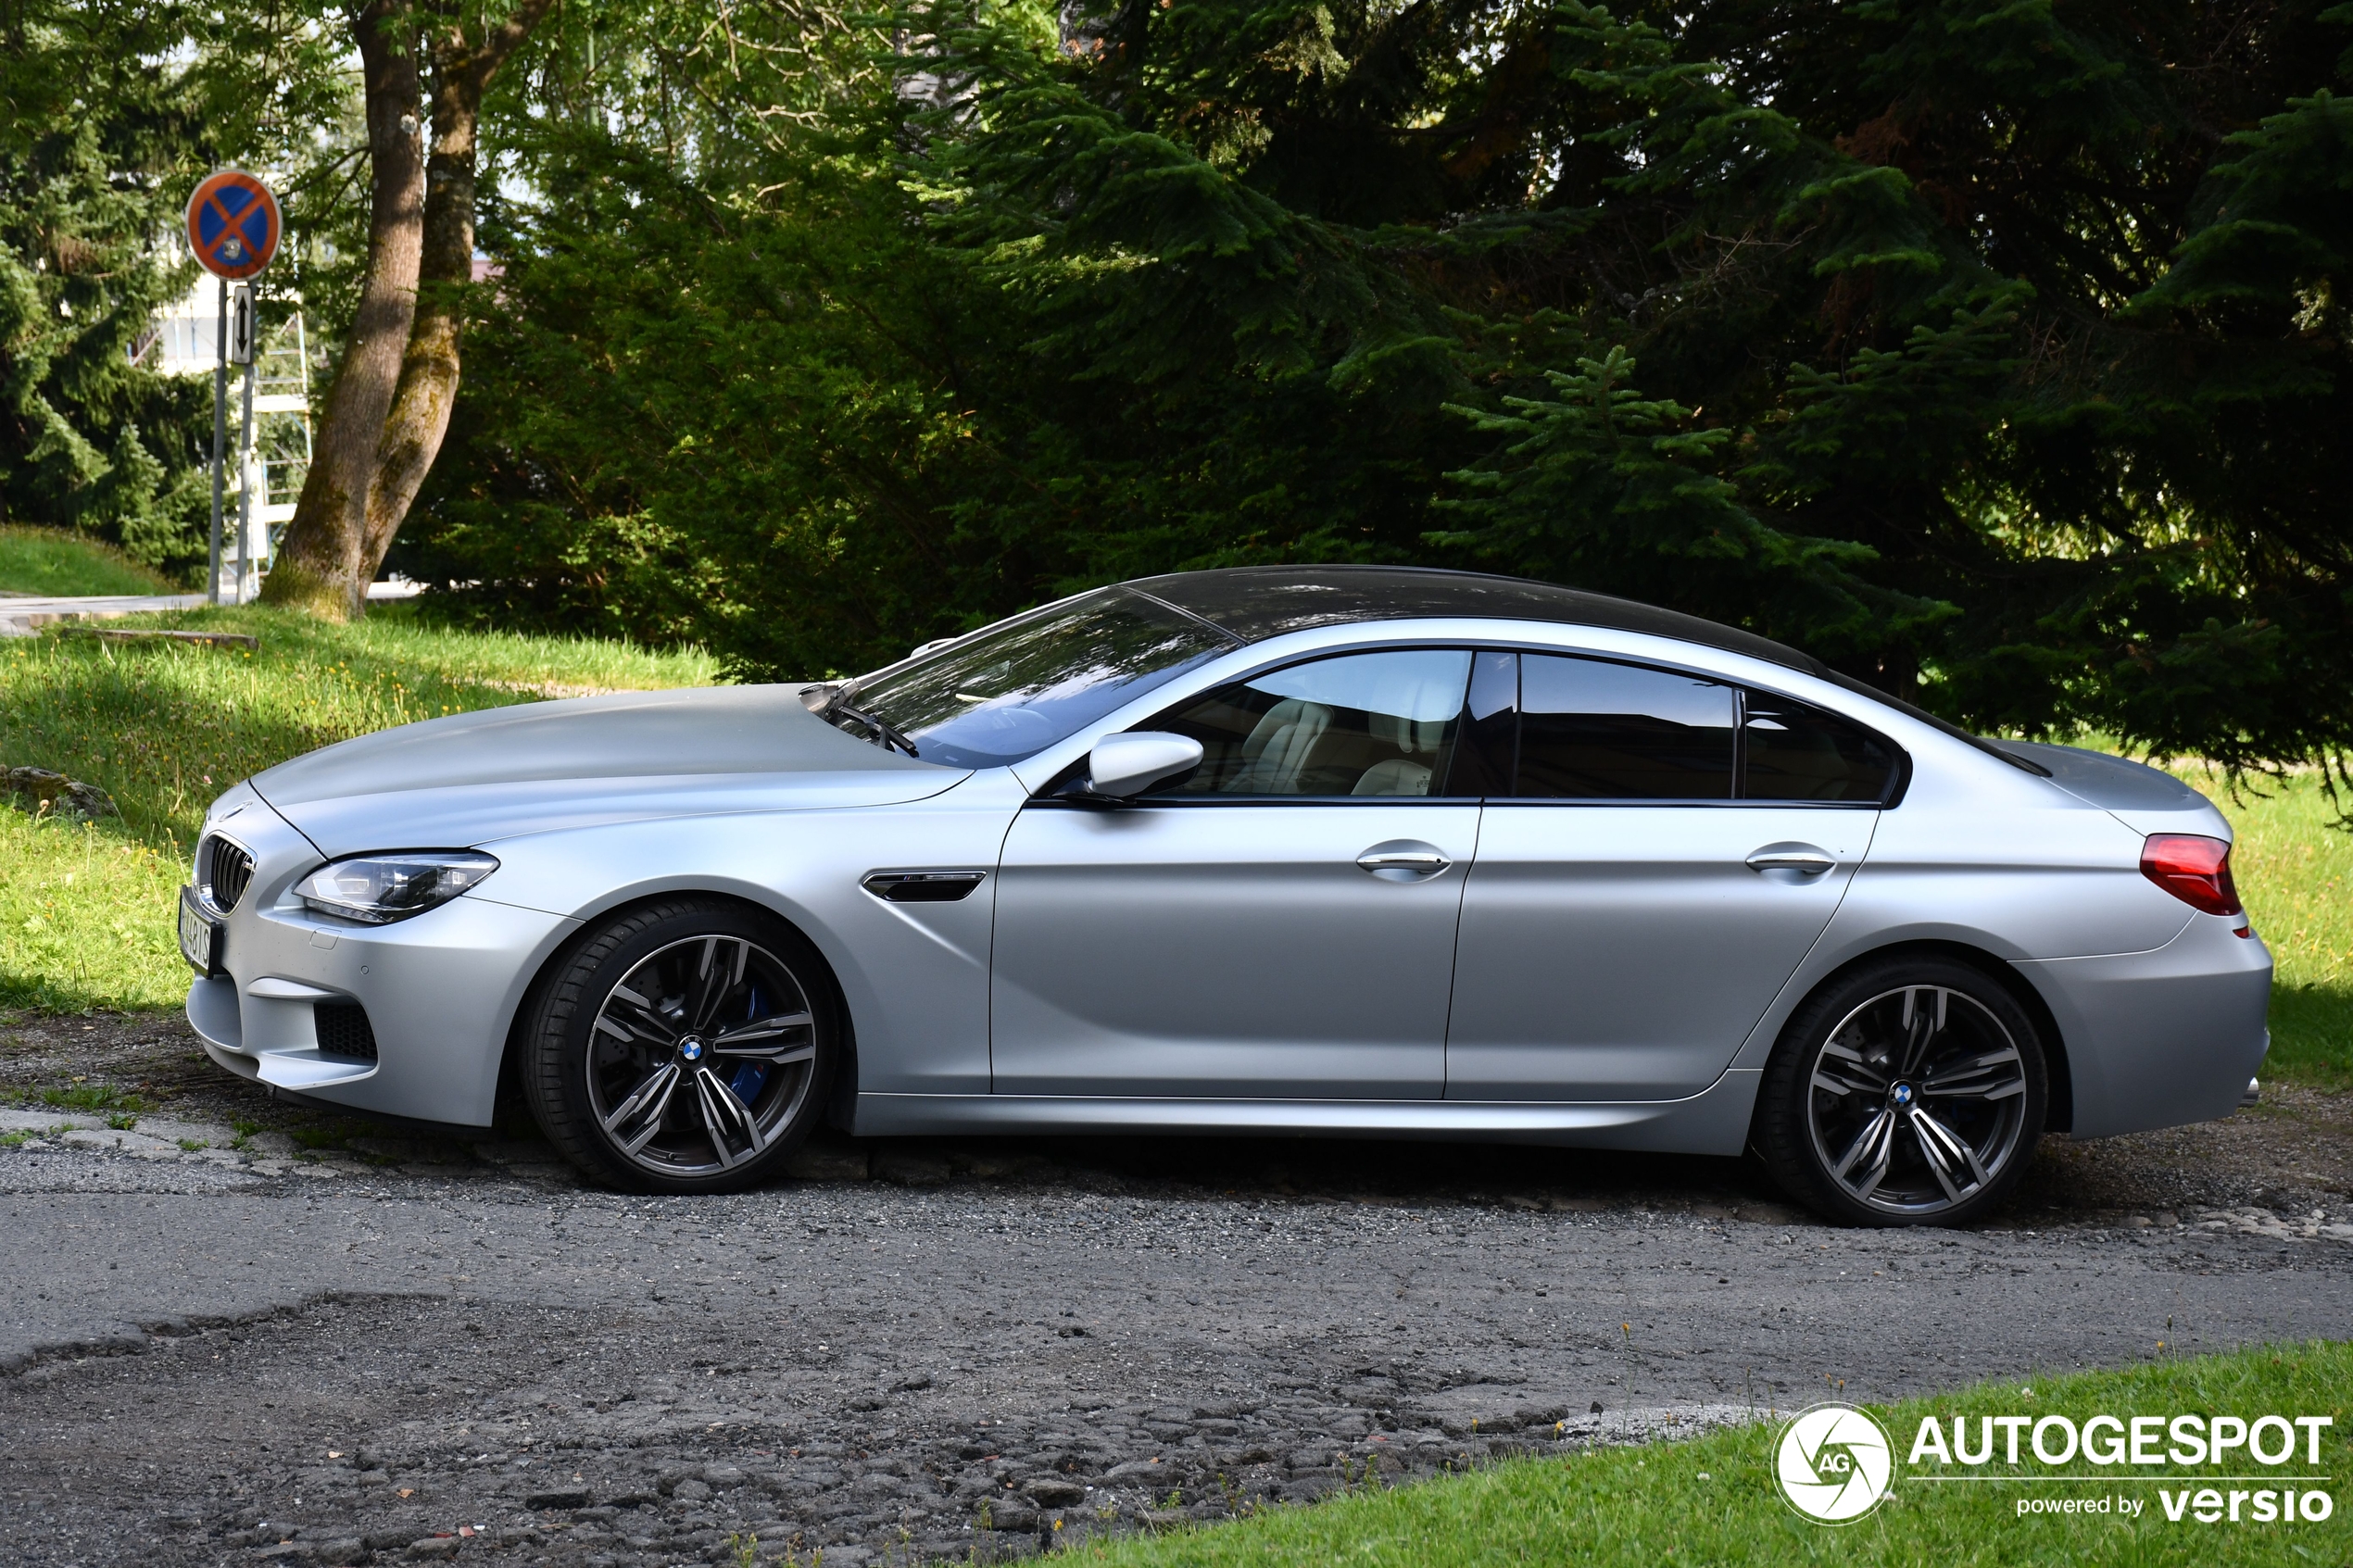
(1909,1091)
(717,985)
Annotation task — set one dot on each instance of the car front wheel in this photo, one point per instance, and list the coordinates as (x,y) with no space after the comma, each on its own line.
(1909,1092)
(685,1046)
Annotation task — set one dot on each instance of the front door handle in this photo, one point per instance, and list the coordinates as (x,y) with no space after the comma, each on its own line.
(1802,858)
(1404,859)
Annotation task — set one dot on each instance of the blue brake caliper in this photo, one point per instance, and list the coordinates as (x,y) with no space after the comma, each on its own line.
(748,1076)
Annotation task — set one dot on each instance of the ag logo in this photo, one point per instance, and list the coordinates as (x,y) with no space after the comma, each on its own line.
(1833,1463)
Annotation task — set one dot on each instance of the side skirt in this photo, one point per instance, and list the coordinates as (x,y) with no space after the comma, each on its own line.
(1714,1122)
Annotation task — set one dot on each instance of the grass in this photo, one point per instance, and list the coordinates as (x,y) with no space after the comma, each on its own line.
(1713,1500)
(49,560)
(86,912)
(117,1104)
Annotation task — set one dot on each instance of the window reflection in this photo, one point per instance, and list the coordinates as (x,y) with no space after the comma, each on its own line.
(1593,730)
(1796,752)
(1005,693)
(1357,724)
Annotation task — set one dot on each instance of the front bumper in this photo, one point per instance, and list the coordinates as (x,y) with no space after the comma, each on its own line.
(440,990)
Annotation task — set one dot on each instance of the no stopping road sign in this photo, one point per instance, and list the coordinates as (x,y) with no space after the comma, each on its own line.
(233,224)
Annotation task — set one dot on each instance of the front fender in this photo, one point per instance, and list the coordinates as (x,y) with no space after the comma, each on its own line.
(914,977)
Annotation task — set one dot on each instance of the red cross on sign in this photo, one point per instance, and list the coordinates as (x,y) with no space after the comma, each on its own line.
(233,224)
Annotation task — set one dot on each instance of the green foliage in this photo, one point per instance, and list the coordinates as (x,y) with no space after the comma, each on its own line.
(1994,352)
(1604,483)
(109,112)
(91,135)
(48,560)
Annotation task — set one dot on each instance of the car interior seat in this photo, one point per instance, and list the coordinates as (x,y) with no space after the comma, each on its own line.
(1402,775)
(1278,749)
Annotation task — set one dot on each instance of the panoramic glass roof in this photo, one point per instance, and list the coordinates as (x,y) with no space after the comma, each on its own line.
(1256,602)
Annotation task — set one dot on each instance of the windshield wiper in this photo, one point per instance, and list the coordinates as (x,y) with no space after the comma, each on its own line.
(886,735)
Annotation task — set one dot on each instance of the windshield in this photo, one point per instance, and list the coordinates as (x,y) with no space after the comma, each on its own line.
(1013,690)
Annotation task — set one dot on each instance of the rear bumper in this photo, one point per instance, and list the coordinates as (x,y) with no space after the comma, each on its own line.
(440,991)
(2165,1037)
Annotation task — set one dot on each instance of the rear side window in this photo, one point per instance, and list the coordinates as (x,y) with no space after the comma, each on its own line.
(1591,729)
(1791,751)
(1356,724)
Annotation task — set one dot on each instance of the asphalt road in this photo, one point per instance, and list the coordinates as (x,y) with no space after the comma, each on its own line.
(409,1348)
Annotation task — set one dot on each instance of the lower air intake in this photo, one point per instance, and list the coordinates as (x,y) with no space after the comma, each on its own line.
(344,1030)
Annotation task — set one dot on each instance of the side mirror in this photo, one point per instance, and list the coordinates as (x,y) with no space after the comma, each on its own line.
(1122,766)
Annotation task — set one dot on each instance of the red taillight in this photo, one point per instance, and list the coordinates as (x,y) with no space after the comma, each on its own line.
(2193,867)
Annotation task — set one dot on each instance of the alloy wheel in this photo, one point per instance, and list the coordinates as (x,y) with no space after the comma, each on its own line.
(701,1056)
(1917,1100)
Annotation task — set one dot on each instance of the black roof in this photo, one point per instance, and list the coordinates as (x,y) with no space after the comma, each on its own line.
(1256,602)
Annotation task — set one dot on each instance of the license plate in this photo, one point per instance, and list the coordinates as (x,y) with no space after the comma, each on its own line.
(200,935)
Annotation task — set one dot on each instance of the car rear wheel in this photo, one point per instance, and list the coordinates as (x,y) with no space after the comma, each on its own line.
(1909,1092)
(685,1046)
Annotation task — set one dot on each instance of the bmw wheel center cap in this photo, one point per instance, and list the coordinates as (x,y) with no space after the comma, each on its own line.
(1901,1096)
(691,1049)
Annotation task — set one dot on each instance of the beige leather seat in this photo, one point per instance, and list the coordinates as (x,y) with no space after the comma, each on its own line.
(1396,776)
(1278,747)
(1402,775)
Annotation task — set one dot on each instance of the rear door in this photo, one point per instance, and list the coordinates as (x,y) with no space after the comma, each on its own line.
(1636,905)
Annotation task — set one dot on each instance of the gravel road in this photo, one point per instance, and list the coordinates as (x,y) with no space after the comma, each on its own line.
(235,1331)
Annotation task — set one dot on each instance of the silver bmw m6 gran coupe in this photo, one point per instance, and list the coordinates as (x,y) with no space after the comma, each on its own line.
(1296,850)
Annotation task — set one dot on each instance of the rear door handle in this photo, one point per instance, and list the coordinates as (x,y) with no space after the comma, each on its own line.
(1404,859)
(1802,858)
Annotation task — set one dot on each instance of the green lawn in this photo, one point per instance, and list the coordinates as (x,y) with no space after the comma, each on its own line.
(1713,1500)
(48,560)
(86,912)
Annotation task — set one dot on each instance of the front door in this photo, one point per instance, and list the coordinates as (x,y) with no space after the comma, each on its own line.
(1279,926)
(1634,910)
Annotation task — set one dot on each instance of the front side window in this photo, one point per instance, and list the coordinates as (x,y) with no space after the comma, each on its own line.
(1591,729)
(1355,725)
(1012,690)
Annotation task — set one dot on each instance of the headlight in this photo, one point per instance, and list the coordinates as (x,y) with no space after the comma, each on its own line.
(383,888)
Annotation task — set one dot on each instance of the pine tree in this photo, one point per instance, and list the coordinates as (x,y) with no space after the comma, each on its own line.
(1994,352)
(91,139)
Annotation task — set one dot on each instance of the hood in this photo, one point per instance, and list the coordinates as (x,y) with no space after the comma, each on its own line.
(2141,797)
(472,777)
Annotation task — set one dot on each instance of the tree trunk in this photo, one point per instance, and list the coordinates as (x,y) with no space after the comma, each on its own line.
(429,371)
(321,565)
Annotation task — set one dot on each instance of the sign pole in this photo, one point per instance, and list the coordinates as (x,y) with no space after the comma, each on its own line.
(233,228)
(220,439)
(249,347)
